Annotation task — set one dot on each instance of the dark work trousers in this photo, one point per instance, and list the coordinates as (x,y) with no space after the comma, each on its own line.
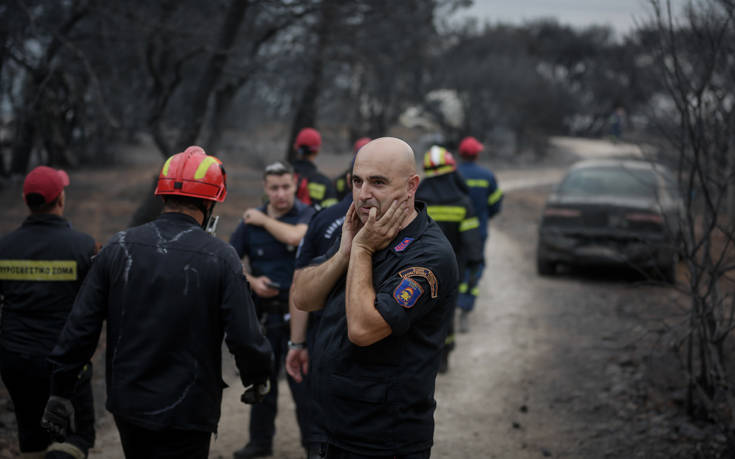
(326,451)
(466,300)
(312,432)
(142,443)
(449,340)
(263,414)
(27,379)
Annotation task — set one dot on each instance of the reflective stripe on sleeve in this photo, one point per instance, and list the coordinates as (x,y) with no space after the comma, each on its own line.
(447,213)
(470,223)
(495,197)
(463,287)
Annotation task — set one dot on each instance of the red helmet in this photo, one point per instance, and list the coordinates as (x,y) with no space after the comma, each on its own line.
(308,137)
(359,143)
(438,161)
(193,173)
(469,146)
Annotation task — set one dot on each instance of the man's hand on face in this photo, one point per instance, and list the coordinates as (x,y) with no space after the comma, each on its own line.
(377,233)
(254,217)
(350,227)
(261,288)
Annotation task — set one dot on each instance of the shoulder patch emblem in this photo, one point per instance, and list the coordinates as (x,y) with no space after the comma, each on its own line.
(418,271)
(408,292)
(403,244)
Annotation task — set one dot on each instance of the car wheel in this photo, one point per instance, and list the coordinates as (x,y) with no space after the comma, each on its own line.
(545,267)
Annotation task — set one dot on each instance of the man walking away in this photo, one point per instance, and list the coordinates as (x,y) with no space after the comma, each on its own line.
(448,203)
(42,265)
(487,199)
(170,292)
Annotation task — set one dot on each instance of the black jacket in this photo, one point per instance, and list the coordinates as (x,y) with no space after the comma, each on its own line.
(169,292)
(379,399)
(449,204)
(42,265)
(321,190)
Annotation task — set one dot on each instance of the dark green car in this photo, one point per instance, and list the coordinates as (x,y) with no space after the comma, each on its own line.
(612,212)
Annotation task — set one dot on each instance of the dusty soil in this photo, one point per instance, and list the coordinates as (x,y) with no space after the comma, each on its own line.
(576,365)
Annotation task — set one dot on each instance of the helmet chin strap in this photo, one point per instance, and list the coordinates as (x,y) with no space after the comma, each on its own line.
(207,213)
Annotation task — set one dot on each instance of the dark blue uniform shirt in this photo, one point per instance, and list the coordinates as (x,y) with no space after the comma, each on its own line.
(379,399)
(487,197)
(449,205)
(267,255)
(324,228)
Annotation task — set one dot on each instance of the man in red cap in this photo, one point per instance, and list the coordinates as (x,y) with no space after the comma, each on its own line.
(42,265)
(487,198)
(312,187)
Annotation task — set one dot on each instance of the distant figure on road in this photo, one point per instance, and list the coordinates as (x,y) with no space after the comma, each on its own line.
(448,203)
(169,292)
(487,198)
(268,237)
(616,124)
(387,290)
(312,187)
(42,266)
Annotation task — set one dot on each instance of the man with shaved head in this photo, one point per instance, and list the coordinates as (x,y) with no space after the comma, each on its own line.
(387,288)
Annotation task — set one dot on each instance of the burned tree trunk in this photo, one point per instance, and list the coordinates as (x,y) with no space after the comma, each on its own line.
(197,109)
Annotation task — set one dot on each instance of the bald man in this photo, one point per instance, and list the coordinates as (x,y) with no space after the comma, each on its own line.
(387,288)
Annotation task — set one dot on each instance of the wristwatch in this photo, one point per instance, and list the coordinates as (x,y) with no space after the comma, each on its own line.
(292,345)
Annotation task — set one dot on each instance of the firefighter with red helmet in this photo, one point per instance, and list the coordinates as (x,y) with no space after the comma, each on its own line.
(312,187)
(487,198)
(169,292)
(448,203)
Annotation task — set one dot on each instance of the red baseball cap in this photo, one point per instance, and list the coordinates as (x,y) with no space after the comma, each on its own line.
(308,137)
(45,181)
(469,146)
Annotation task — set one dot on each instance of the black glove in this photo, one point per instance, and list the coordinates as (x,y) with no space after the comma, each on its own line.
(255,393)
(58,417)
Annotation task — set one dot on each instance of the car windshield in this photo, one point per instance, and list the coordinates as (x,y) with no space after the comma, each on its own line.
(617,181)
